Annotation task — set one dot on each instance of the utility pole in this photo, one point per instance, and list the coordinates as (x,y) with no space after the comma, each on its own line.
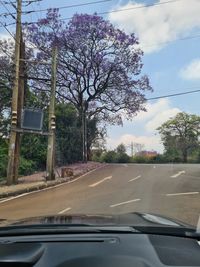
(19,107)
(14,108)
(131,149)
(52,125)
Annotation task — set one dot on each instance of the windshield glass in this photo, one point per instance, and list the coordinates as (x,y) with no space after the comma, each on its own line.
(99,109)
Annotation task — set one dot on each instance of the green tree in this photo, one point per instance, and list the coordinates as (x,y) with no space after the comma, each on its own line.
(109,156)
(121,149)
(69,135)
(180,134)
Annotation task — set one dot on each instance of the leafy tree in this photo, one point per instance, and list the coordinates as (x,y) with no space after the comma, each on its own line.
(109,157)
(121,149)
(122,158)
(99,65)
(68,134)
(181,134)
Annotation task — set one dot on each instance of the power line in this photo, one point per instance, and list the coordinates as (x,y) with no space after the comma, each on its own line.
(7,30)
(172,95)
(150,45)
(118,10)
(178,39)
(62,7)
(7,10)
(69,6)
(133,8)
(7,25)
(27,3)
(138,7)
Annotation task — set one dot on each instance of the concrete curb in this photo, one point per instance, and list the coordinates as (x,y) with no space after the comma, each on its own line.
(43,185)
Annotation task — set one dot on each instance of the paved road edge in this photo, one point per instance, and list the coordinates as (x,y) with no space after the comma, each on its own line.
(47,185)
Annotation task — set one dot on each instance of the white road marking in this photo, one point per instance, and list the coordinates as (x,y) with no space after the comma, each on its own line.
(125,165)
(126,202)
(50,187)
(65,210)
(182,194)
(135,178)
(11,198)
(101,181)
(177,174)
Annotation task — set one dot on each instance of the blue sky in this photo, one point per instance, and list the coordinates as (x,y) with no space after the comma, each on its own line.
(172,65)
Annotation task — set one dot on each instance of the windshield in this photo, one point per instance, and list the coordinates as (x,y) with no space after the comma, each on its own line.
(99,109)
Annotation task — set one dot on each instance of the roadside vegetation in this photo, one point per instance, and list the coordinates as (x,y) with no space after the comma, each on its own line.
(179,136)
(91,84)
(99,77)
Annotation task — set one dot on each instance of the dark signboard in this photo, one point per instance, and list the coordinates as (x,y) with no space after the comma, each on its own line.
(32,119)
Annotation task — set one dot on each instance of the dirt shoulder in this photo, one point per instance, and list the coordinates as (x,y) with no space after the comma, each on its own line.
(37,181)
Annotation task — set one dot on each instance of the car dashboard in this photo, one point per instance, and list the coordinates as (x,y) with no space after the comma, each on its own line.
(95,250)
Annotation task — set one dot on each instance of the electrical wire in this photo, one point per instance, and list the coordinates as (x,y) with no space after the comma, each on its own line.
(71,6)
(173,95)
(114,11)
(108,12)
(7,10)
(62,7)
(138,7)
(7,30)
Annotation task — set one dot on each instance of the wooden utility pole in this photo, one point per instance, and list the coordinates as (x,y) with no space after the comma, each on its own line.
(19,107)
(14,108)
(52,125)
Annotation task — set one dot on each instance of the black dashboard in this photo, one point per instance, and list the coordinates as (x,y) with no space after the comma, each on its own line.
(95,250)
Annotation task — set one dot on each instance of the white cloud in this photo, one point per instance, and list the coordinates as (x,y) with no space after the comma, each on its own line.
(160,23)
(160,118)
(149,142)
(152,109)
(5,36)
(157,113)
(191,71)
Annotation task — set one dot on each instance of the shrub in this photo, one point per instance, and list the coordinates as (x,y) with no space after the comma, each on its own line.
(26,167)
(109,157)
(122,158)
(3,157)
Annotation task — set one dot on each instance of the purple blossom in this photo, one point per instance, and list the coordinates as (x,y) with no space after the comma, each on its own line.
(97,63)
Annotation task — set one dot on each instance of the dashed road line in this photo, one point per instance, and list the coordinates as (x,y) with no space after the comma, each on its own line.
(65,210)
(177,174)
(182,194)
(124,203)
(101,181)
(139,176)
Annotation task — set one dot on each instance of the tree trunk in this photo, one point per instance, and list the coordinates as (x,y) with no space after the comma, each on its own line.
(185,154)
(84,136)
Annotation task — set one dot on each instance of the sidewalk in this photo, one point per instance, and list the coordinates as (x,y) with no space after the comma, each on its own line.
(37,181)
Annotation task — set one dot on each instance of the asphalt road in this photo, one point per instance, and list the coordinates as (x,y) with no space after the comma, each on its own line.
(166,189)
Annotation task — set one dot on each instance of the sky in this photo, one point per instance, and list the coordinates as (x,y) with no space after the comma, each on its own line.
(169,34)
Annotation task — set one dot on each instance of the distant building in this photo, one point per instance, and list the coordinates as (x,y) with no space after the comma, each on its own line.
(147,154)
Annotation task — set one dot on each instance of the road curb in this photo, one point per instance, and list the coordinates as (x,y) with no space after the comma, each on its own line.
(49,184)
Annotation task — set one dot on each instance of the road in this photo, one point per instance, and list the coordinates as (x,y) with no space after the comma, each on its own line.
(171,190)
